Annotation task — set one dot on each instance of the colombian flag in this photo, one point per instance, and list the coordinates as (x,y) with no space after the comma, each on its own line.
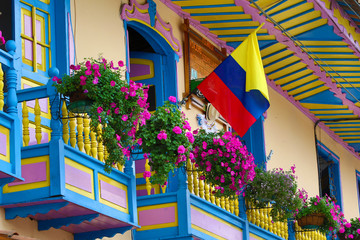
(237,87)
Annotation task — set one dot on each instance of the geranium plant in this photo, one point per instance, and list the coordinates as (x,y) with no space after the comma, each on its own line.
(321,206)
(118,106)
(166,141)
(277,187)
(223,161)
(349,230)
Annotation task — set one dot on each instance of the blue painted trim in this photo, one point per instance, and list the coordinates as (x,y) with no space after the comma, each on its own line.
(100,234)
(156,234)
(32,195)
(202,235)
(60,222)
(11,213)
(37,150)
(357,175)
(156,199)
(207,6)
(262,232)
(32,93)
(290,74)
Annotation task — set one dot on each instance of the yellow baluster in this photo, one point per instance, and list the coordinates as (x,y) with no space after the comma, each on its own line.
(278,228)
(106,153)
(163,188)
(148,183)
(196,181)
(207,192)
(271,224)
(212,197)
(87,135)
(201,187)
(286,230)
(222,202)
(1,88)
(93,144)
(266,219)
(37,111)
(189,175)
(100,149)
(236,203)
(217,201)
(227,204)
(80,128)
(120,167)
(262,217)
(72,125)
(25,122)
(232,206)
(65,121)
(257,217)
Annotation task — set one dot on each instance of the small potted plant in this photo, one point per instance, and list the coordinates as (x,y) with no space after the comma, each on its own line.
(349,230)
(277,187)
(166,139)
(116,104)
(319,213)
(223,161)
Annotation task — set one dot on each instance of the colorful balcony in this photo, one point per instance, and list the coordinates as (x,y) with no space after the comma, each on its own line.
(188,210)
(64,184)
(10,160)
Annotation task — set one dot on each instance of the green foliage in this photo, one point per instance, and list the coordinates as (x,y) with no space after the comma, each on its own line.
(324,206)
(350,230)
(162,143)
(118,106)
(277,187)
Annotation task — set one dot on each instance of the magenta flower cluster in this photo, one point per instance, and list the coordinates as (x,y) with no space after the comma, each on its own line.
(224,162)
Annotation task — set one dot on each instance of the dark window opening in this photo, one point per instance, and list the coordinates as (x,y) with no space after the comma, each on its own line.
(152,98)
(138,42)
(6,26)
(324,177)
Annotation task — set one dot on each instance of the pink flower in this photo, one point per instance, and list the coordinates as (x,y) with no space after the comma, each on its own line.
(95,66)
(117,110)
(83,80)
(204,144)
(96,80)
(124,89)
(172,99)
(202,177)
(124,117)
(100,109)
(177,130)
(348,225)
(112,83)
(147,174)
(351,236)
(86,91)
(113,105)
(99,119)
(108,112)
(358,230)
(181,149)
(190,137)
(121,63)
(139,141)
(342,230)
(162,135)
(118,137)
(88,72)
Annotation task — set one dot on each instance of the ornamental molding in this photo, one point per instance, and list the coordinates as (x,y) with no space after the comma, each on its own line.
(147,15)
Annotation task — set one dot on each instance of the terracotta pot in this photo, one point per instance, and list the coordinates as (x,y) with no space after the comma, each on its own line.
(311,221)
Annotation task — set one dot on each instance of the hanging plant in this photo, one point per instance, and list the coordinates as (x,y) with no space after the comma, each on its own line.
(277,187)
(116,105)
(166,141)
(315,208)
(349,230)
(223,161)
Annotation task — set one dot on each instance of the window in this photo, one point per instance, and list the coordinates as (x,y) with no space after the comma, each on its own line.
(329,174)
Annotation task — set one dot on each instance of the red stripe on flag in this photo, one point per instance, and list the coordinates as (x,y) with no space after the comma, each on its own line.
(228,105)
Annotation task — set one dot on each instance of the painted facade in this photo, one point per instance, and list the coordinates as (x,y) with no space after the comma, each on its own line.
(51,170)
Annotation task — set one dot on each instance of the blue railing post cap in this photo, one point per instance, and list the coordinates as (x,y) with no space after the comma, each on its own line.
(53,72)
(10,46)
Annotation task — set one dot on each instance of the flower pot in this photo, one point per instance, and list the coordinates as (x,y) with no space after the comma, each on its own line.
(341,236)
(312,221)
(79,102)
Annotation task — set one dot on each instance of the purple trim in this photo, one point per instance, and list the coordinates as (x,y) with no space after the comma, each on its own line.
(156,216)
(3,144)
(28,50)
(113,194)
(78,178)
(197,25)
(140,166)
(339,29)
(28,26)
(212,225)
(253,12)
(328,151)
(139,70)
(71,42)
(143,192)
(35,172)
(130,11)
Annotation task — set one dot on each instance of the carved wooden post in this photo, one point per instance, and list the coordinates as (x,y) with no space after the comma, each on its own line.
(11,80)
